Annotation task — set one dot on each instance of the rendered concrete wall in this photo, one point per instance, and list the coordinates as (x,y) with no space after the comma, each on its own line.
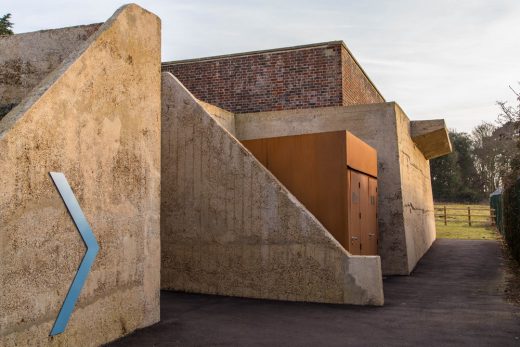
(417,197)
(229,227)
(96,118)
(26,59)
(405,205)
(225,118)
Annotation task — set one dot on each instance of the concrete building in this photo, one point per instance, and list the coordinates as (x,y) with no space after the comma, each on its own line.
(317,88)
(174,199)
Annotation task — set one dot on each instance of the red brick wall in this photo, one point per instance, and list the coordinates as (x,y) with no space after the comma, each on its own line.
(276,80)
(357,88)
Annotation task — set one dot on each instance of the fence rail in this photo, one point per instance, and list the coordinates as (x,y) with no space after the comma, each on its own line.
(444,214)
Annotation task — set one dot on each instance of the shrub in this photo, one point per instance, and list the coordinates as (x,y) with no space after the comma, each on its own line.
(511,205)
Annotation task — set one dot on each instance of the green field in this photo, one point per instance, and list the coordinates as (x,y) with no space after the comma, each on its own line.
(457,226)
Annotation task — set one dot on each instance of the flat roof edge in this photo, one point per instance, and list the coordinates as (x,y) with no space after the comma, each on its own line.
(263,51)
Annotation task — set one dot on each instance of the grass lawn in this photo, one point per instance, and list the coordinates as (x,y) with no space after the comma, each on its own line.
(457,226)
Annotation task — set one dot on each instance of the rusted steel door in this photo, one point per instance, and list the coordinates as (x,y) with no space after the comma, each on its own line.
(362,214)
(354,213)
(372,228)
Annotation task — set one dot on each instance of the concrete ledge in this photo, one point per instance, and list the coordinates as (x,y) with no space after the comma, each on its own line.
(229,227)
(431,136)
(256,125)
(225,118)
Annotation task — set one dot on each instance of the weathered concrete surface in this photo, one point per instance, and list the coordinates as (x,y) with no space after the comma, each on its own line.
(455,297)
(26,59)
(405,217)
(229,227)
(416,193)
(225,118)
(96,118)
(431,136)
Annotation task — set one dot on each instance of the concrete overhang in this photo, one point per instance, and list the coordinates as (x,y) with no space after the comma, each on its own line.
(431,137)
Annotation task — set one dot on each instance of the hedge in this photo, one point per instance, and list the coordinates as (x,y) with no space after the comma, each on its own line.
(511,215)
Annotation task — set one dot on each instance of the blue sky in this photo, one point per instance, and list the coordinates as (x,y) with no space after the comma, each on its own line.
(437,59)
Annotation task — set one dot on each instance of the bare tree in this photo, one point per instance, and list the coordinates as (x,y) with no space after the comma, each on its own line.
(485,156)
(509,119)
(509,113)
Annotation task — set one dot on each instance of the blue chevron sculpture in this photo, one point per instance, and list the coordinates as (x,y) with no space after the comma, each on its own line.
(88,259)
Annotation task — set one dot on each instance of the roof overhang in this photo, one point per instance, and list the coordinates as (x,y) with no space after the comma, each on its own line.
(431,137)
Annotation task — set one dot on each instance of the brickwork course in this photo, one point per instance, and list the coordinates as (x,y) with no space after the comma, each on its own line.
(316,75)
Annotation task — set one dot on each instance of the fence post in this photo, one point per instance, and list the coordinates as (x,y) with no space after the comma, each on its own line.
(469,216)
(445,220)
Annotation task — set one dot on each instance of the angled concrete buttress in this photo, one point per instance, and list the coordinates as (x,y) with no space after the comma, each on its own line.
(229,227)
(84,101)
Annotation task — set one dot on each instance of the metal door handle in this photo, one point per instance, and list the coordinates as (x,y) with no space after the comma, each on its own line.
(354,238)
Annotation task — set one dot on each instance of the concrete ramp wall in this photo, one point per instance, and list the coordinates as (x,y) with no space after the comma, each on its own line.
(228,227)
(95,118)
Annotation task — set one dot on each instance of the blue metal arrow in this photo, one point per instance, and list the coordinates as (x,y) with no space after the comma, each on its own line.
(88,259)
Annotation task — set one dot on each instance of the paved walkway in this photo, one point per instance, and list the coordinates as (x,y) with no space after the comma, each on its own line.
(454,297)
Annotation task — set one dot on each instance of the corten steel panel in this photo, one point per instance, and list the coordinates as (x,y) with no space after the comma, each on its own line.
(360,156)
(313,167)
(259,150)
(330,183)
(310,167)
(372,228)
(291,160)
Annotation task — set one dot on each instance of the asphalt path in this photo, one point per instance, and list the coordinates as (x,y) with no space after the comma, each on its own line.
(455,296)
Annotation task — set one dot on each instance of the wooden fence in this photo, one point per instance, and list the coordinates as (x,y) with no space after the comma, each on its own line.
(470,214)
